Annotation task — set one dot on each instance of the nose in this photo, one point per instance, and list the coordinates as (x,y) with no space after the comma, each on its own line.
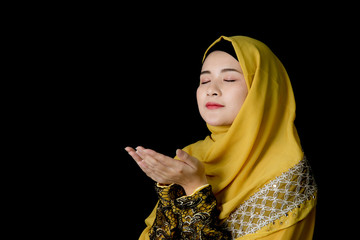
(213,90)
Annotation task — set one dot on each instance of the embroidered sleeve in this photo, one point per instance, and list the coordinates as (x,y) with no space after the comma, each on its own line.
(166,222)
(199,216)
(187,217)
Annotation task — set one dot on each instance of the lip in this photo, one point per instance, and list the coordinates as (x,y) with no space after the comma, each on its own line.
(212,105)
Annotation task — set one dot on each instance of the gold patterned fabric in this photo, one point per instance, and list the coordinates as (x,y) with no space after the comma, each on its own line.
(278,205)
(282,200)
(187,217)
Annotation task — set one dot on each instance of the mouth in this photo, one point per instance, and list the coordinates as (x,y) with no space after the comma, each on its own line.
(212,105)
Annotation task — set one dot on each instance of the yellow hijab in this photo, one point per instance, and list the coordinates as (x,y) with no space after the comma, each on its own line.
(262,143)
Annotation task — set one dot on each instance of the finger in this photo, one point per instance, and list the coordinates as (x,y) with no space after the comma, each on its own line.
(128,149)
(133,154)
(144,167)
(186,158)
(139,160)
(151,172)
(144,154)
(160,158)
(139,151)
(149,167)
(151,162)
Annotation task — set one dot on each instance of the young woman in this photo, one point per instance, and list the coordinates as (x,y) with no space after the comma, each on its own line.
(249,179)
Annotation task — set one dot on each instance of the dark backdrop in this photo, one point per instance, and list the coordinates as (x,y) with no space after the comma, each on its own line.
(134,84)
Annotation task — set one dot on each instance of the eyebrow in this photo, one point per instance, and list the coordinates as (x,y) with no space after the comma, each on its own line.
(222,71)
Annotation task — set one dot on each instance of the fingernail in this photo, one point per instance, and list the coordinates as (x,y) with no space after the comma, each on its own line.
(179,152)
(138,150)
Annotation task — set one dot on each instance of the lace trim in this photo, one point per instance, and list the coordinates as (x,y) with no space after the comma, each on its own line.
(274,200)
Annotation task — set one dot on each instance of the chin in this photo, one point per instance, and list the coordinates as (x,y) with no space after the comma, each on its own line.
(217,120)
(216,123)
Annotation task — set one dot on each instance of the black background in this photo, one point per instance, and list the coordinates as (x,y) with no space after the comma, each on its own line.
(125,78)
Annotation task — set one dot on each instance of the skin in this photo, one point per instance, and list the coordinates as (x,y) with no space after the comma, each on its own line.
(222,82)
(189,172)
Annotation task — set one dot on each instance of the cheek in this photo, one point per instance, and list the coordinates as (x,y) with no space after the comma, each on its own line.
(240,93)
(237,98)
(198,95)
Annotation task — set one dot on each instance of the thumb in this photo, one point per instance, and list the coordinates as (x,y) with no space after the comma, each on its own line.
(185,157)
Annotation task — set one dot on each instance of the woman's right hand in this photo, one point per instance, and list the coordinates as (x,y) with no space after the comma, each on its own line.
(187,172)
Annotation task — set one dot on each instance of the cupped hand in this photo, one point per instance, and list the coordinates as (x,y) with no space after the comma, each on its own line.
(187,172)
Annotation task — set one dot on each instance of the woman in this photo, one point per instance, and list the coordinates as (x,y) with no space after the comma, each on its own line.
(249,179)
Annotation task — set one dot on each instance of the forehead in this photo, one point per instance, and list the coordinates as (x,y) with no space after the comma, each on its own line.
(220,59)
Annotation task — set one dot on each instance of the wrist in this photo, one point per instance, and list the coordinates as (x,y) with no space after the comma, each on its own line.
(189,190)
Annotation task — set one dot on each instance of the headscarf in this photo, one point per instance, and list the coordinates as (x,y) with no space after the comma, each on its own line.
(224,46)
(262,143)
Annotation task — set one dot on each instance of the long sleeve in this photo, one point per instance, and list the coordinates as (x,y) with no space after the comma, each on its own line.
(187,217)
(166,222)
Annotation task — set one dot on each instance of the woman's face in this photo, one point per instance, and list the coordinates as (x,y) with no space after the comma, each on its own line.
(222,90)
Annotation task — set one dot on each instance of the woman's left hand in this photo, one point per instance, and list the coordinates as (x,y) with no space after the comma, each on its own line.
(189,172)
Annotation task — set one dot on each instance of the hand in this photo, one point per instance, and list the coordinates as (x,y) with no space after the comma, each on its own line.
(187,172)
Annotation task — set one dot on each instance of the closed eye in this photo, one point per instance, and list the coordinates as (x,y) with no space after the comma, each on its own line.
(205,82)
(229,80)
